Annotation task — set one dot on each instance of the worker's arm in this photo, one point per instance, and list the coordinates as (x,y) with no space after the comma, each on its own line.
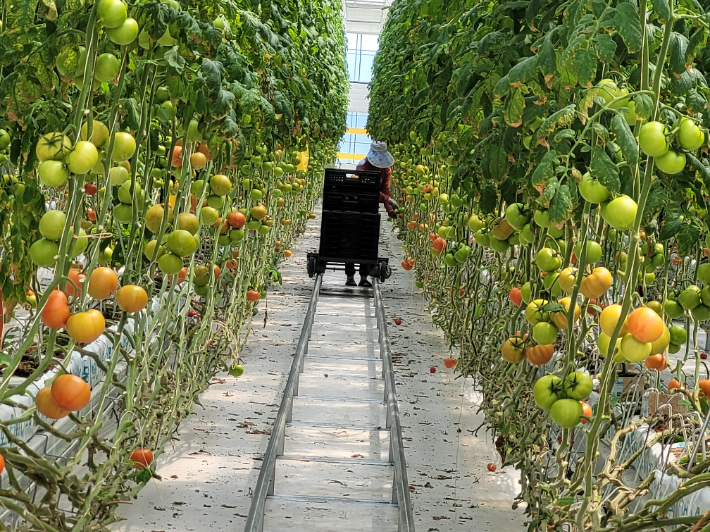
(385,189)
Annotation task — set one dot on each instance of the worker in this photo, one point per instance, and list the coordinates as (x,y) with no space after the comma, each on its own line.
(380,160)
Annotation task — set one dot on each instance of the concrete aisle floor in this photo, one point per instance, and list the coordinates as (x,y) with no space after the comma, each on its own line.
(209,472)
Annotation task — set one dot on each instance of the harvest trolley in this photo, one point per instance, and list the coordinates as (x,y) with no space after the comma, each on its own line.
(350,226)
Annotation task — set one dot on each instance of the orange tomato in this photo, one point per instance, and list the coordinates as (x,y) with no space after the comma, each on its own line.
(131,298)
(411,225)
(253,295)
(56,312)
(586,411)
(657,362)
(674,385)
(236,219)
(141,458)
(85,327)
(46,405)
(597,283)
(645,325)
(439,244)
(516,296)
(287,253)
(406,265)
(539,354)
(70,392)
(76,277)
(103,282)
(182,274)
(704,386)
(232,264)
(450,363)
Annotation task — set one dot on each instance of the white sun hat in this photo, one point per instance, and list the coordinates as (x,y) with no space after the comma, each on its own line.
(379,156)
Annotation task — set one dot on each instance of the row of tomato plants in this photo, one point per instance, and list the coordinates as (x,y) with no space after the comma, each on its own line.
(552,174)
(158,160)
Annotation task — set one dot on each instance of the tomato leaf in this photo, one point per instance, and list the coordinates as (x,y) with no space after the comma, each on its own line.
(696,41)
(662,10)
(513,108)
(671,225)
(489,199)
(625,138)
(545,169)
(175,61)
(605,47)
(523,72)
(644,106)
(628,24)
(498,162)
(678,47)
(604,170)
(560,205)
(547,58)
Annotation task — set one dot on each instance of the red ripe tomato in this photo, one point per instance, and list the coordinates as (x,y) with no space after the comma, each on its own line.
(56,312)
(539,354)
(91,214)
(90,189)
(70,392)
(450,363)
(141,458)
(236,219)
(645,325)
(433,236)
(85,327)
(131,298)
(77,278)
(406,265)
(102,282)
(516,296)
(492,467)
(232,264)
(253,295)
(47,406)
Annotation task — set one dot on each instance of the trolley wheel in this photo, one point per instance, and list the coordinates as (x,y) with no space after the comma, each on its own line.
(311,266)
(385,271)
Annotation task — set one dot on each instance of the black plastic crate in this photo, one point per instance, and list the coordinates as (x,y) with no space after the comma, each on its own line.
(349,236)
(351,190)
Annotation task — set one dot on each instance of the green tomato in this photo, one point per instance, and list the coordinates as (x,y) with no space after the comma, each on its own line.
(592,190)
(526,235)
(690,297)
(499,246)
(673,309)
(542,218)
(548,260)
(107,68)
(690,136)
(113,13)
(652,139)
(678,334)
(567,413)
(516,216)
(483,239)
(704,273)
(450,260)
(526,293)
(633,350)
(620,213)
(544,333)
(630,117)
(547,391)
(44,252)
(475,224)
(701,313)
(578,385)
(594,251)
(671,163)
(125,34)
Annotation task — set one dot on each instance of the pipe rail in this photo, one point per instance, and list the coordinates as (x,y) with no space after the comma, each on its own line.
(267,475)
(400,485)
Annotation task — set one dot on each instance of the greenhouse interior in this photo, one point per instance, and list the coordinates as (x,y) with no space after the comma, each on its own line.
(354,265)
